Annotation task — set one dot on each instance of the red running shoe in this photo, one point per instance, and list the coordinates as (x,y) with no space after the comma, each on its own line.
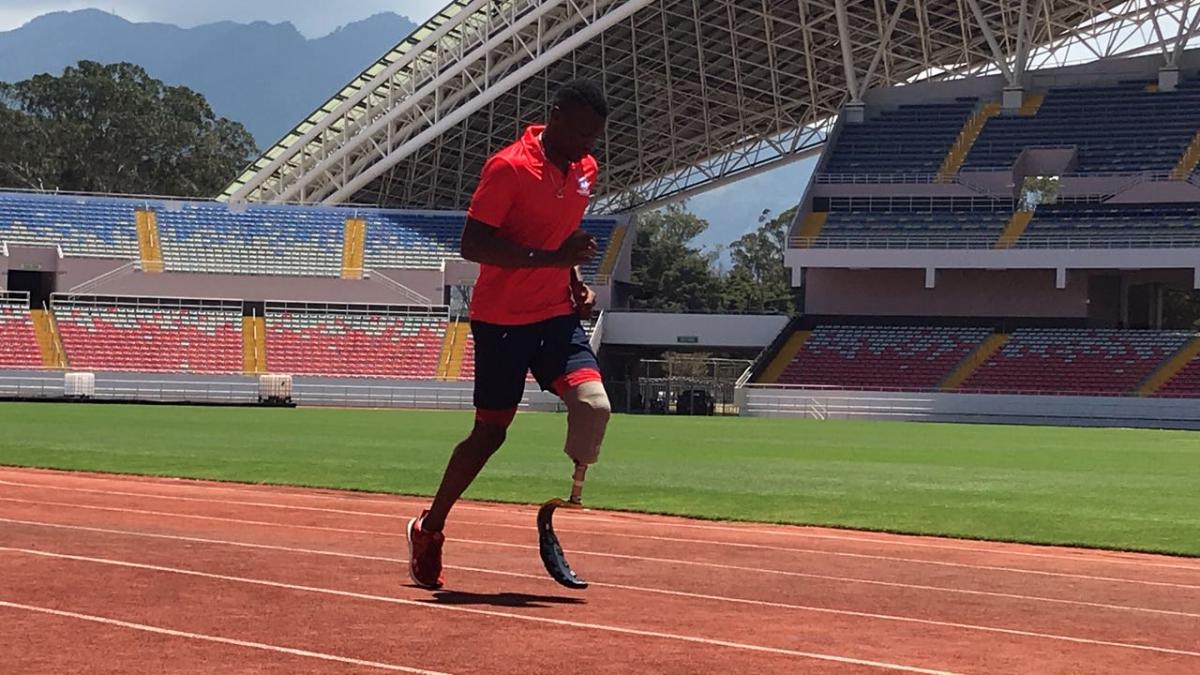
(425,555)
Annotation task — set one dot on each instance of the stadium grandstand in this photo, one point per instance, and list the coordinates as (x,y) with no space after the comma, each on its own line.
(1004,196)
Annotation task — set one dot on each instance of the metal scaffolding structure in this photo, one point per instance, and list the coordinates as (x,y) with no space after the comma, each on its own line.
(704,92)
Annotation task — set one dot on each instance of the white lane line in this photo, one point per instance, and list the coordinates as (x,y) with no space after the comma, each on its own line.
(615,519)
(220,640)
(640,589)
(496,614)
(840,554)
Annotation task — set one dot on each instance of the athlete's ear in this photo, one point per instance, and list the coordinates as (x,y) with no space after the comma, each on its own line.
(555,115)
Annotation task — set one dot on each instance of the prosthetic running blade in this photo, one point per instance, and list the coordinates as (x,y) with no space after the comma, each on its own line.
(551,551)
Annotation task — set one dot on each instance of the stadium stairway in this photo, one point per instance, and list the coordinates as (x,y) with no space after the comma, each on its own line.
(966,139)
(1168,370)
(1191,158)
(149,244)
(48,339)
(786,354)
(254,345)
(454,348)
(354,248)
(810,229)
(1031,105)
(1014,229)
(967,367)
(611,254)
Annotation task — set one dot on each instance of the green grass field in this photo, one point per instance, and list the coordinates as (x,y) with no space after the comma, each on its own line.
(1124,489)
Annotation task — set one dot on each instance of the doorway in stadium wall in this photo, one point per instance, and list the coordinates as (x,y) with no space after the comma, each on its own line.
(38,284)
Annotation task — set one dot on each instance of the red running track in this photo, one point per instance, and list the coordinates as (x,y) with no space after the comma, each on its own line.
(106,574)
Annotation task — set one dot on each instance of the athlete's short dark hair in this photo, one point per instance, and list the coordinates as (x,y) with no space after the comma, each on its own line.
(582,92)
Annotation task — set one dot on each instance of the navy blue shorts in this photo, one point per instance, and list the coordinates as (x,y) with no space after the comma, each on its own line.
(551,349)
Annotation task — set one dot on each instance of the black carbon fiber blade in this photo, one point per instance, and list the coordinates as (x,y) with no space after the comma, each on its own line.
(551,551)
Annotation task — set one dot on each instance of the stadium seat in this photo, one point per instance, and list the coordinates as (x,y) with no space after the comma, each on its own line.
(18,341)
(1142,224)
(912,139)
(354,343)
(423,240)
(881,357)
(1120,128)
(293,241)
(83,226)
(1186,382)
(150,338)
(1083,361)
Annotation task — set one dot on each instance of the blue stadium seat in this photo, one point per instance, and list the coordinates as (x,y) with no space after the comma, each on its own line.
(912,139)
(1121,128)
(286,240)
(83,226)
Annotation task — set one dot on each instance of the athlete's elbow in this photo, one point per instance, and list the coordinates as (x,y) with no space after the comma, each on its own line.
(468,251)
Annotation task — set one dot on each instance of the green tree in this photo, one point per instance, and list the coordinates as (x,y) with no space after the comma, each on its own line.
(113,128)
(669,271)
(758,281)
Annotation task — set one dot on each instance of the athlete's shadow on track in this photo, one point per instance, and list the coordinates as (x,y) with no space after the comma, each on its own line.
(503,599)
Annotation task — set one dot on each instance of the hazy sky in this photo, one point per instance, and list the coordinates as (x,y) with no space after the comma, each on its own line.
(314,18)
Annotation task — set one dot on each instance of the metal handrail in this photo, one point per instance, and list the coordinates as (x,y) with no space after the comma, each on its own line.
(408,293)
(1027,241)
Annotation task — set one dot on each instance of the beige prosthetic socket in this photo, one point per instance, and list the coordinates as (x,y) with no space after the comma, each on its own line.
(588,411)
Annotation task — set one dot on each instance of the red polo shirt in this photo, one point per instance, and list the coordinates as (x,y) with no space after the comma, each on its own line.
(531,203)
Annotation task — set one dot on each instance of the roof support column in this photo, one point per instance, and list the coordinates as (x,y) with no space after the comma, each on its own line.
(855,110)
(1014,95)
(1168,75)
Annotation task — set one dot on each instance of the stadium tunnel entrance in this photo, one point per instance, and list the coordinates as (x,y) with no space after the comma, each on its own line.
(38,284)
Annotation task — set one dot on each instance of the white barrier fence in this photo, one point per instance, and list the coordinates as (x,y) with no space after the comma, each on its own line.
(817,403)
(236,390)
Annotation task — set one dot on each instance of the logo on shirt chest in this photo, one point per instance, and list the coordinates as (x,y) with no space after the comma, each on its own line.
(585,187)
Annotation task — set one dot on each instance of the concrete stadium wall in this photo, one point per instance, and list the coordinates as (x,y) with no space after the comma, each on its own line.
(306,391)
(75,271)
(971,408)
(899,292)
(708,330)
(248,287)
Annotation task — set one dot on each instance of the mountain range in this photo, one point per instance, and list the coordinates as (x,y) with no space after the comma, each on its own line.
(265,75)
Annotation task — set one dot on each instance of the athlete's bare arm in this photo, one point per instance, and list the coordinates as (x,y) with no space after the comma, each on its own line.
(482,244)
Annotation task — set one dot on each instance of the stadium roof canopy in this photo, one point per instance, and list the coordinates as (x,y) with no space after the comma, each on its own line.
(704,91)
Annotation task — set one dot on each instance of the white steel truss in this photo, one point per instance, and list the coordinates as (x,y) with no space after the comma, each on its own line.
(704,91)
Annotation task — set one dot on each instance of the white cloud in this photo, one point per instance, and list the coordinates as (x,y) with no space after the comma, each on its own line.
(313,18)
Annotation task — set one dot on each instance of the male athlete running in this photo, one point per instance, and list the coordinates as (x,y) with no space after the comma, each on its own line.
(523,228)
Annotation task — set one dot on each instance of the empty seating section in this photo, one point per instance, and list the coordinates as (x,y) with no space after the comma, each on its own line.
(912,139)
(82,226)
(1185,383)
(877,357)
(294,241)
(1119,129)
(18,341)
(150,338)
(416,240)
(982,224)
(354,344)
(1133,220)
(406,240)
(213,238)
(907,217)
(1096,361)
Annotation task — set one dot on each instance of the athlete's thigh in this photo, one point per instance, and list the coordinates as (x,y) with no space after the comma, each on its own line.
(564,349)
(502,357)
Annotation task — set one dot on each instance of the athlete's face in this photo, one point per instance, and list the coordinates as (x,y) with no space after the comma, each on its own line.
(574,130)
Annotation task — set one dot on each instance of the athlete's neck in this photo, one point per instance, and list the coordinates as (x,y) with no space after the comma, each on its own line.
(552,156)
